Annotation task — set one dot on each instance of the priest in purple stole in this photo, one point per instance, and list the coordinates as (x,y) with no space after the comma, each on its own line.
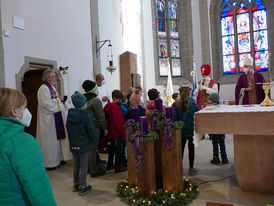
(51,133)
(247,90)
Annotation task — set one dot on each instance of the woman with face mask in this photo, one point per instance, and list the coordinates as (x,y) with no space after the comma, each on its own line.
(23,178)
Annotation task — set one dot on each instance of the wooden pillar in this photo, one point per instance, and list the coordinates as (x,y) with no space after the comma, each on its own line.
(172,166)
(131,163)
(146,176)
(158,158)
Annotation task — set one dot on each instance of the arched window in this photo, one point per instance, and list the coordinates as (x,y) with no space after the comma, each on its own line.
(168,37)
(244,32)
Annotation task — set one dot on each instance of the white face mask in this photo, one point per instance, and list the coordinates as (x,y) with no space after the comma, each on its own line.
(26,119)
(103,82)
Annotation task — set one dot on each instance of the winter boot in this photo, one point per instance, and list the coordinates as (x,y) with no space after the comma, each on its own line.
(215,160)
(224,159)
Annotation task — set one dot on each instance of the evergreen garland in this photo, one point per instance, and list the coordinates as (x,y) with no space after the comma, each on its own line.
(129,194)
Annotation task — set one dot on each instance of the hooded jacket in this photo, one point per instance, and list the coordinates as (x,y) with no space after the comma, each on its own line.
(115,120)
(80,130)
(23,178)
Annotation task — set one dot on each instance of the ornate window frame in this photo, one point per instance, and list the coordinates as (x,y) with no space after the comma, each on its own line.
(186,43)
(216,9)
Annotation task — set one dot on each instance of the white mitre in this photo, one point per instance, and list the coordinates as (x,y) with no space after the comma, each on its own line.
(248,61)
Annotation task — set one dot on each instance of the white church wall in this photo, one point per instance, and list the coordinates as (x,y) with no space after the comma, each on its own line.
(53,30)
(111,28)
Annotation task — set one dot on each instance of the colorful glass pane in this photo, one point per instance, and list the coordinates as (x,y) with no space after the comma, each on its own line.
(258,5)
(241,61)
(176,67)
(227,25)
(175,49)
(259,20)
(229,64)
(260,40)
(161,27)
(173,10)
(227,12)
(162,46)
(228,45)
(161,8)
(261,61)
(174,29)
(163,67)
(249,1)
(244,43)
(234,3)
(224,1)
(243,23)
(242,8)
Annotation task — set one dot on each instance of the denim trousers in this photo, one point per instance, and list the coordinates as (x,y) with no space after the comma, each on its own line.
(80,167)
(218,140)
(116,147)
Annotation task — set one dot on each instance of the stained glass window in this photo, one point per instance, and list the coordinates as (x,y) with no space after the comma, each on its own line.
(238,32)
(168,37)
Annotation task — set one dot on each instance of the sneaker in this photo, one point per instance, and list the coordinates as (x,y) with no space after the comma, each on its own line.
(192,171)
(99,172)
(84,190)
(121,169)
(215,160)
(75,187)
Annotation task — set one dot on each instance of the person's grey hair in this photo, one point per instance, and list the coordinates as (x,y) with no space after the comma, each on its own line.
(46,73)
(98,76)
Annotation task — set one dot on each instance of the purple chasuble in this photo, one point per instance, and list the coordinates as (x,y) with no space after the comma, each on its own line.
(59,124)
(243,83)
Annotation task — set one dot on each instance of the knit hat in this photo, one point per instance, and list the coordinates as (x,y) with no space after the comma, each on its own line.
(78,100)
(205,69)
(89,86)
(153,94)
(248,61)
(135,99)
(214,97)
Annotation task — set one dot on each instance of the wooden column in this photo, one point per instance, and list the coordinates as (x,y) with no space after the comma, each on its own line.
(172,166)
(131,163)
(158,158)
(146,176)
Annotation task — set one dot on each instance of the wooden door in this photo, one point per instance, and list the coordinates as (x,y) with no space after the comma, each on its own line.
(30,85)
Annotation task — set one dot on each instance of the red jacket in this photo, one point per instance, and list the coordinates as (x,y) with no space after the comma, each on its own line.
(115,119)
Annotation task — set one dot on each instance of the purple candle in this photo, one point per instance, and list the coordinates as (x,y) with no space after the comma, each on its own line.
(135,114)
(159,104)
(144,124)
(170,113)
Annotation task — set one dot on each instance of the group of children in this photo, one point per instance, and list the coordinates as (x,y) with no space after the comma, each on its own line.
(85,120)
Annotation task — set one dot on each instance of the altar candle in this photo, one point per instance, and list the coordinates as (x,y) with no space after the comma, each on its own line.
(135,114)
(144,124)
(170,113)
(159,104)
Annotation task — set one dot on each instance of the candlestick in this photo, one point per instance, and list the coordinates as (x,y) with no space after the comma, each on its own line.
(170,113)
(144,124)
(135,114)
(159,104)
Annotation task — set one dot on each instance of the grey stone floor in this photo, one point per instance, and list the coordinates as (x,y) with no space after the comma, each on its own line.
(104,187)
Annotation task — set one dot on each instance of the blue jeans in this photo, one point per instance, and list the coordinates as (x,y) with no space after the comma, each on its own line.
(80,167)
(218,140)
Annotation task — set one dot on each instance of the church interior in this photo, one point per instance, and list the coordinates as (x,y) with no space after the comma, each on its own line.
(147,44)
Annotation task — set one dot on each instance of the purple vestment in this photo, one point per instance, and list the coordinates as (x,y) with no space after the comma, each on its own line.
(242,83)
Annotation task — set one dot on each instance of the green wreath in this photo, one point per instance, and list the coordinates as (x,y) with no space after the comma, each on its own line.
(129,194)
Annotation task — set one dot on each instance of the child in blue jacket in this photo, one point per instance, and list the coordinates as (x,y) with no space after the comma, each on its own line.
(80,132)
